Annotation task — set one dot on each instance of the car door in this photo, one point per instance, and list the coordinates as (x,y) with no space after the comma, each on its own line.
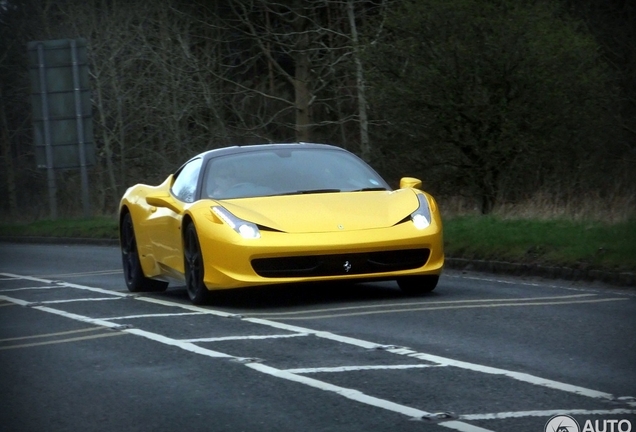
(167,240)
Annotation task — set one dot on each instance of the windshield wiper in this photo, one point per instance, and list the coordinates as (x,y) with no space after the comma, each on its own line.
(315,191)
(369,189)
(311,191)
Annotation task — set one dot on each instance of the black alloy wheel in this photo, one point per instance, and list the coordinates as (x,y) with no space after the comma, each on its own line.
(133,273)
(193,263)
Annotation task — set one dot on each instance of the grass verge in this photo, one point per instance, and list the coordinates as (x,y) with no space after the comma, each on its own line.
(92,228)
(575,244)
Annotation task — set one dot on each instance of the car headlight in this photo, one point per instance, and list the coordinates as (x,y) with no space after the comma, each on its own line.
(422,216)
(246,229)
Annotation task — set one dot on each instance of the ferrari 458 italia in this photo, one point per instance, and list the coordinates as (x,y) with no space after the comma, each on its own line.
(278,213)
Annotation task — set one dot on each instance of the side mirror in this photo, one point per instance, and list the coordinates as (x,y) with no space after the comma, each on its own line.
(410,182)
(165,201)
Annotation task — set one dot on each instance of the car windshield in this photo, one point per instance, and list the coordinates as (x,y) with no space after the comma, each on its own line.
(271,172)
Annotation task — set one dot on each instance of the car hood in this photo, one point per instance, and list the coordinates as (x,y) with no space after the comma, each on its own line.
(326,212)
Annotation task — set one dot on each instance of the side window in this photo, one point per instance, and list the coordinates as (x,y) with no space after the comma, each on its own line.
(185,185)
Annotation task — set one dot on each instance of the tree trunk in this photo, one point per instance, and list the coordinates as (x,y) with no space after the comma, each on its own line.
(365,146)
(301,81)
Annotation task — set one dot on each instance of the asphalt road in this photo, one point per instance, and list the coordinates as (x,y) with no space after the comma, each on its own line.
(481,353)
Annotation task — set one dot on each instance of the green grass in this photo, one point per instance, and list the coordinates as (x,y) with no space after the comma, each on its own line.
(568,243)
(93,228)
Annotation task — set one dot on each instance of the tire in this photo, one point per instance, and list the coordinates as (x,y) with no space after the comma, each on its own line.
(193,266)
(417,285)
(133,274)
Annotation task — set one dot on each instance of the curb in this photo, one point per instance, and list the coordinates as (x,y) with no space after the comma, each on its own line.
(624,279)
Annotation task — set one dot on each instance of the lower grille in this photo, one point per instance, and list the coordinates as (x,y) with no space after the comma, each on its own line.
(341,264)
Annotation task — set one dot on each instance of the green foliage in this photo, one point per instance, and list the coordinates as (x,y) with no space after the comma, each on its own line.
(490,96)
(486,99)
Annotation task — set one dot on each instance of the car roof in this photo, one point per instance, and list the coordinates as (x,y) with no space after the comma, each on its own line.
(260,147)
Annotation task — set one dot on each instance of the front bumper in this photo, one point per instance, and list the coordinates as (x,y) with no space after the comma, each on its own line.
(402,250)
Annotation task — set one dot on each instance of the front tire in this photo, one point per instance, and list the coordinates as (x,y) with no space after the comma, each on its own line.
(133,274)
(193,266)
(418,285)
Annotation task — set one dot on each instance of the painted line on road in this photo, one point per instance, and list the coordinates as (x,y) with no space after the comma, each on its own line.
(91,273)
(367,345)
(78,300)
(33,288)
(68,285)
(359,368)
(449,307)
(159,315)
(187,346)
(444,302)
(59,341)
(616,290)
(233,338)
(523,377)
(342,391)
(46,335)
(519,376)
(103,323)
(545,413)
(189,307)
(352,394)
(358,396)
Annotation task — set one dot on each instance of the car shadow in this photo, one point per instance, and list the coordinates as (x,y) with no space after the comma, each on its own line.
(280,297)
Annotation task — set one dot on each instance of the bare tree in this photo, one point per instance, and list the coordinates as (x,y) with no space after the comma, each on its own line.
(305,50)
(365,145)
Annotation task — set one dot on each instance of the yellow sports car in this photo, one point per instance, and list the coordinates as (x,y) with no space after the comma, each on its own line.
(278,213)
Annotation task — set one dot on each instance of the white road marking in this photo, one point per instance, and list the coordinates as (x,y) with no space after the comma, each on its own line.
(432,308)
(545,413)
(46,335)
(33,288)
(77,300)
(410,304)
(159,315)
(325,335)
(519,376)
(188,345)
(91,273)
(358,396)
(186,307)
(370,345)
(358,368)
(542,284)
(59,341)
(231,338)
(66,284)
(146,334)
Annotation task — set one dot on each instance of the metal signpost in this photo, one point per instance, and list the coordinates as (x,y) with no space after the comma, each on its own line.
(62,111)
